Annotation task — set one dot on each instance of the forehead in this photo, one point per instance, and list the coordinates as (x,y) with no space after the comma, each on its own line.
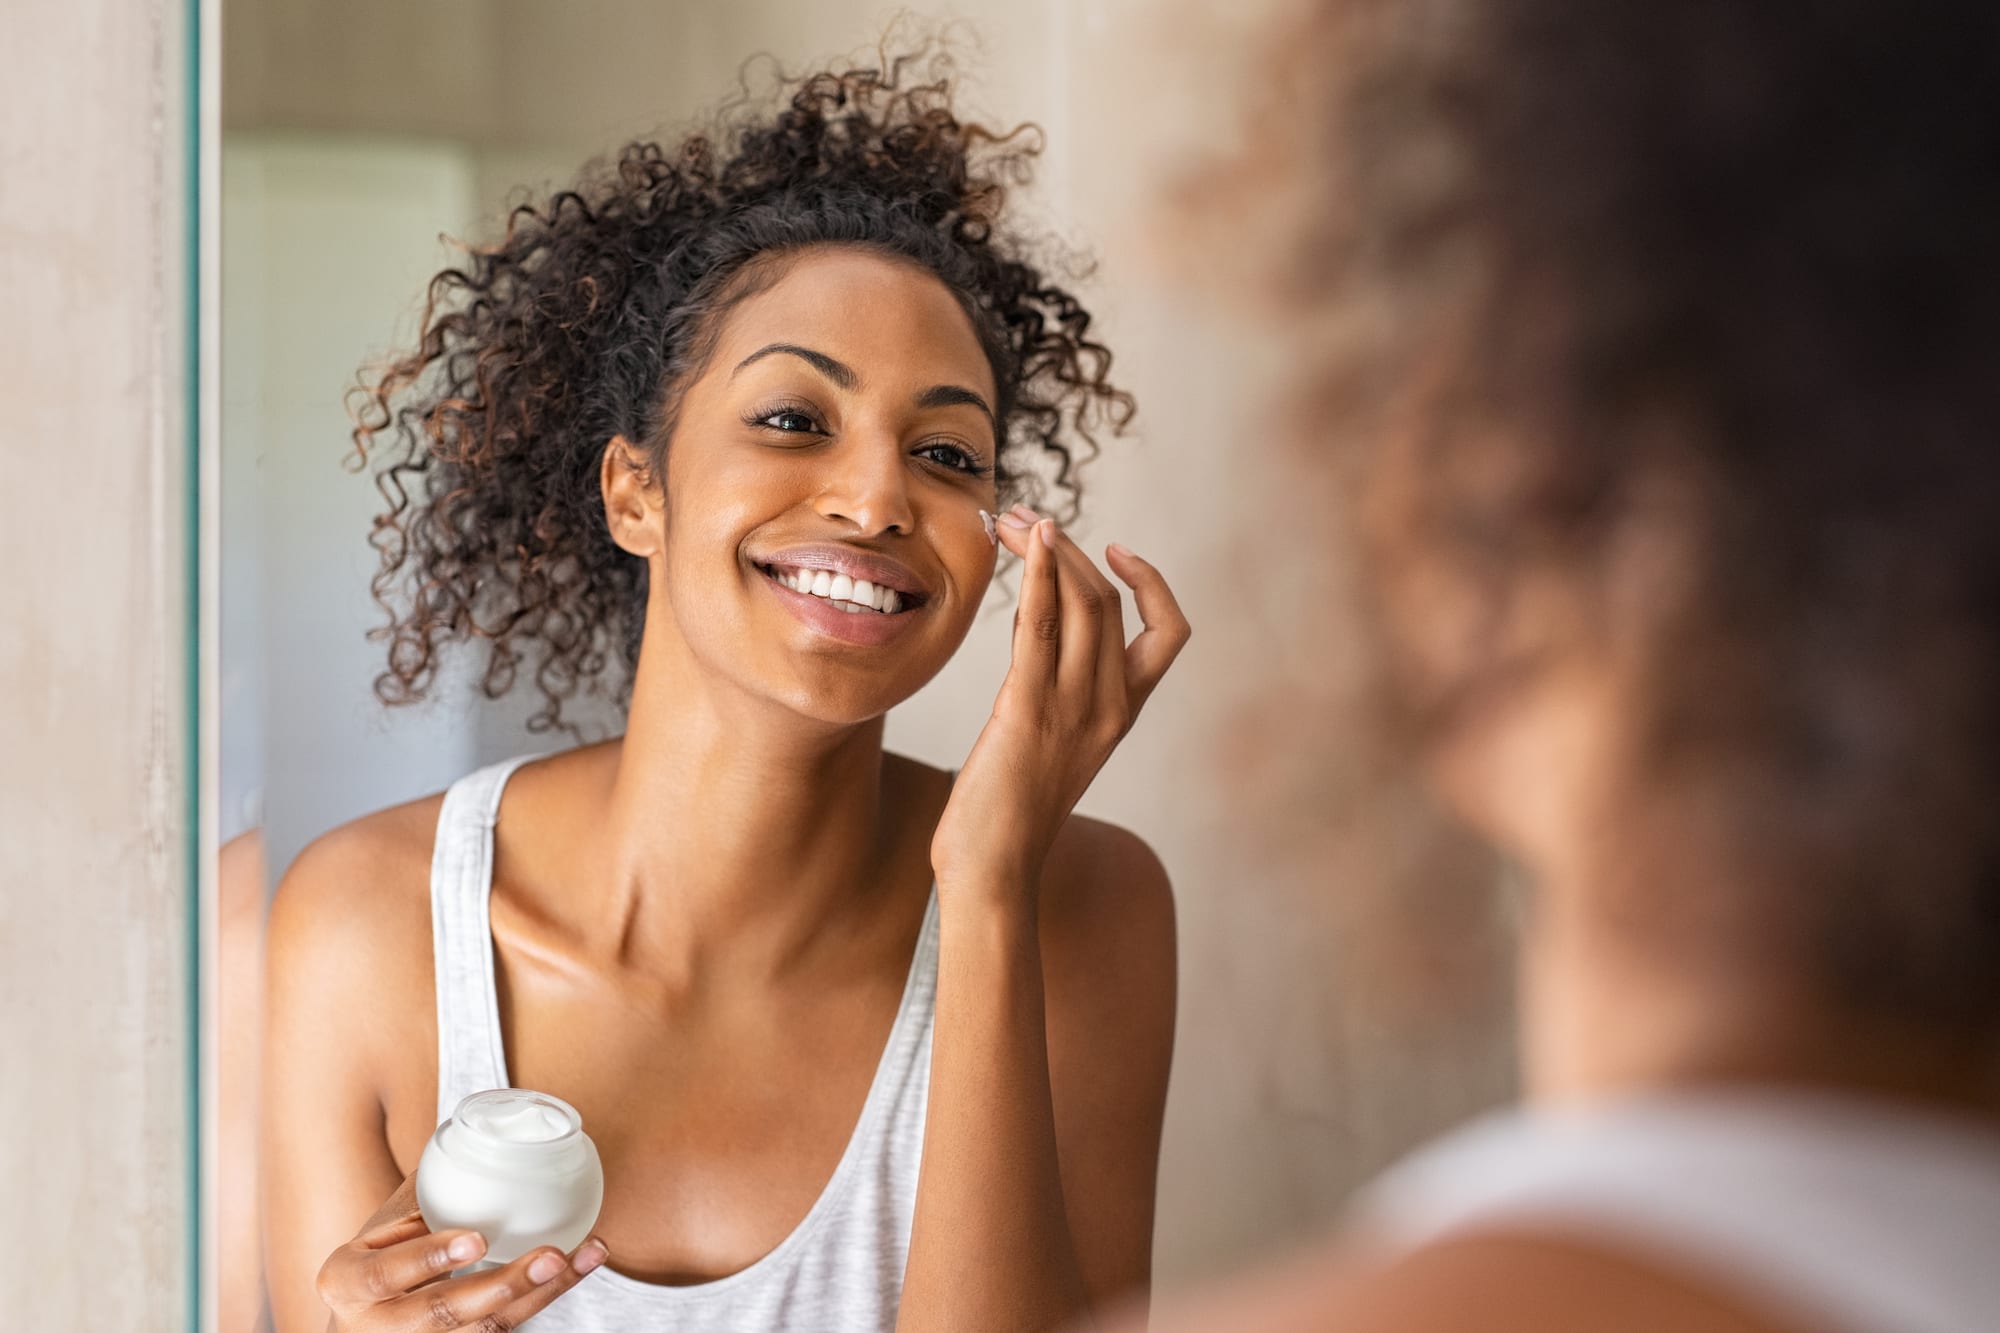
(895,323)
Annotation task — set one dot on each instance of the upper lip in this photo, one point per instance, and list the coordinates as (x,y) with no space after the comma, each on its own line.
(880,570)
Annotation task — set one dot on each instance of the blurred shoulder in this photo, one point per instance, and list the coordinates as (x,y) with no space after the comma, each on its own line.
(1484,1282)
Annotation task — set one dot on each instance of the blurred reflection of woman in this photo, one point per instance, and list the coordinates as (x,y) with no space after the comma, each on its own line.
(1660,342)
(734,415)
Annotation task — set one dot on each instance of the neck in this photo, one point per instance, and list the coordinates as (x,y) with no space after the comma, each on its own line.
(1611,1007)
(733,827)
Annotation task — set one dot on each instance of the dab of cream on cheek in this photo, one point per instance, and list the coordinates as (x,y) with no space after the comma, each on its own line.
(516,1167)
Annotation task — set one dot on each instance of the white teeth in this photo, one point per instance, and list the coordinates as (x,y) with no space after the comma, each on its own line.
(850,594)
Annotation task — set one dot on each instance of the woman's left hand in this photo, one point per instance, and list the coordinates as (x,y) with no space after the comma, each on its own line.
(1071,693)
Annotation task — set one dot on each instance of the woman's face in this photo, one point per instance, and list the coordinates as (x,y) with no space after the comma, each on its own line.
(820,542)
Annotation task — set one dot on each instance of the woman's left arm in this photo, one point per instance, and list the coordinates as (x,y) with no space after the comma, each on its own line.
(1038,911)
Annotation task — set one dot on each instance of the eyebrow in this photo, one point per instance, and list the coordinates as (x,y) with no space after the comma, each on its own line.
(838,372)
(954,395)
(842,374)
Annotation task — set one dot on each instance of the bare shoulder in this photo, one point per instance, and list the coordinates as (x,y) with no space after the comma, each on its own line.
(1103,886)
(1107,909)
(1109,960)
(350,931)
(366,873)
(1490,1282)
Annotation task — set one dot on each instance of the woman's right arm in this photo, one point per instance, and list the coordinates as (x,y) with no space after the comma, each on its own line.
(348,969)
(330,965)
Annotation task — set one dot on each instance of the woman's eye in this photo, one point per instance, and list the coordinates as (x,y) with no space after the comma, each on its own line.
(951,456)
(791,422)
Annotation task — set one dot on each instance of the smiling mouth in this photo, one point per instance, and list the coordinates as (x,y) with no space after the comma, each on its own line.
(854,596)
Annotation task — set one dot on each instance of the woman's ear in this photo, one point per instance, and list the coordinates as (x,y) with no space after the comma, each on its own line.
(632,498)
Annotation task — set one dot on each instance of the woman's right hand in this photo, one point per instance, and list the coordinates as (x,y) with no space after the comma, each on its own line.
(394,1276)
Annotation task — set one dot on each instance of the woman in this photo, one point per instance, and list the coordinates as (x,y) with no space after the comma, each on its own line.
(737,417)
(1661,342)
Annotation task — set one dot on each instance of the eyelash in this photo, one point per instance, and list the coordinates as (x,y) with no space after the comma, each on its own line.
(969,465)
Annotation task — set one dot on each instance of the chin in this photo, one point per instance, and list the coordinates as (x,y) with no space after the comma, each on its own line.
(839,708)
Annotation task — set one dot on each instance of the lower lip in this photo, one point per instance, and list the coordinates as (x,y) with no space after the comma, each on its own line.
(869,627)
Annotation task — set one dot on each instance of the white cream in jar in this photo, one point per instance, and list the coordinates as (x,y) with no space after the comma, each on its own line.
(516,1167)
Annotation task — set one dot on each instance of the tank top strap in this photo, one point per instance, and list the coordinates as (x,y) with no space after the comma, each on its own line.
(470,1058)
(902,1081)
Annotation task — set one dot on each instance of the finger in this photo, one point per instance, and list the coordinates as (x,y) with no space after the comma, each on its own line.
(503,1298)
(1037,623)
(1082,622)
(1016,528)
(363,1273)
(1108,691)
(1108,666)
(1014,532)
(1166,628)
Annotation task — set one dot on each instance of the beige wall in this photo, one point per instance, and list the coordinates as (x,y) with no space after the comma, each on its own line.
(1293,1077)
(94,1135)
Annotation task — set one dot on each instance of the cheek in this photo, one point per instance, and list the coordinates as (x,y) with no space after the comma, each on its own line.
(968,558)
(714,500)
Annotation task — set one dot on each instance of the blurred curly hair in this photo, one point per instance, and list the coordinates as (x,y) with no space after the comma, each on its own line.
(603,301)
(1664,337)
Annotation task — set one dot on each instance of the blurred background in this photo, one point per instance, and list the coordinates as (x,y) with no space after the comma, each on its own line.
(358,136)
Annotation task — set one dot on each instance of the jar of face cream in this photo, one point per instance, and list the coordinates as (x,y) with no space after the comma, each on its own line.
(516,1167)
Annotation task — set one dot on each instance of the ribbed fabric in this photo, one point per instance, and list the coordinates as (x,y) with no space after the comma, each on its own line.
(1840,1214)
(841,1268)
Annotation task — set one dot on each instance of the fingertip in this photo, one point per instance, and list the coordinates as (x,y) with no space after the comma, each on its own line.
(546,1266)
(1046,530)
(590,1255)
(1033,548)
(464,1249)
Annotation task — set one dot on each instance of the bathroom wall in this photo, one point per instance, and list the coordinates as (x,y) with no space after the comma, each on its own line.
(329,242)
(95,1090)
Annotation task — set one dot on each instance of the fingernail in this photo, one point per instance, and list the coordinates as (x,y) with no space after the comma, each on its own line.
(1125,551)
(545,1267)
(992,533)
(590,1256)
(465,1249)
(1048,531)
(1014,520)
(1025,512)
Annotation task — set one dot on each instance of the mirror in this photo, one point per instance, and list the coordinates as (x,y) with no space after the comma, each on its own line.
(368,146)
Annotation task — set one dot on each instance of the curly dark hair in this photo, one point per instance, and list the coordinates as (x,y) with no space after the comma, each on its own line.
(604,300)
(1685,319)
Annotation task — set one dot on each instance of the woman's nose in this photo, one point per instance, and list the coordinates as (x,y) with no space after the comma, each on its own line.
(868,486)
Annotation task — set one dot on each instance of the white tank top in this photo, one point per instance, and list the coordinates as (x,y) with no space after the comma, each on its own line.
(841,1268)
(1842,1214)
